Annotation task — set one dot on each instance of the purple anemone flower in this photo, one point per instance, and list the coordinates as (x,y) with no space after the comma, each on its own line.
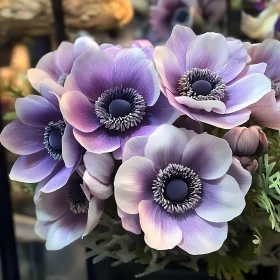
(111,99)
(165,14)
(48,150)
(213,10)
(57,65)
(184,186)
(267,110)
(206,77)
(75,210)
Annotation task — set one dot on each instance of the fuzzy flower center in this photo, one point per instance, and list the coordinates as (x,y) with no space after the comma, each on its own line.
(276,88)
(202,84)
(120,108)
(177,188)
(76,198)
(62,78)
(53,139)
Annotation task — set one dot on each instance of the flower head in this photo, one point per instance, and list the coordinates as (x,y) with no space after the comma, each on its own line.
(110,99)
(75,210)
(48,151)
(184,187)
(213,10)
(57,65)
(206,77)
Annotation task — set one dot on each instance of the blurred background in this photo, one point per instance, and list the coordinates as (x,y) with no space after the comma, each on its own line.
(30,29)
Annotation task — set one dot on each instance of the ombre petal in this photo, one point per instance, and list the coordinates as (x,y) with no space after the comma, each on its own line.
(236,62)
(36,111)
(179,42)
(137,73)
(133,183)
(161,229)
(99,141)
(46,91)
(71,149)
(84,44)
(130,222)
(201,237)
(222,200)
(65,230)
(79,111)
(42,229)
(101,167)
(96,188)
(50,207)
(208,51)
(32,168)
(168,68)
(135,147)
(210,157)
(166,145)
(241,175)
(36,76)
(246,91)
(64,57)
(95,212)
(22,139)
(47,65)
(91,74)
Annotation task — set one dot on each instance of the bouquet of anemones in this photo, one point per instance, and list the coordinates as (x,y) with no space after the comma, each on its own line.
(142,141)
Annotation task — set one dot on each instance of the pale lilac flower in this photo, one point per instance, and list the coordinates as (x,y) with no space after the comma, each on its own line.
(110,99)
(206,77)
(267,110)
(49,152)
(74,211)
(184,186)
(57,65)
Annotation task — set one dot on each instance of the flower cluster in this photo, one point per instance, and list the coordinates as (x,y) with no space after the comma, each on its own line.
(126,123)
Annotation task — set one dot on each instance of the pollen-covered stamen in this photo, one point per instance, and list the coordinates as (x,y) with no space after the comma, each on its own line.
(53,139)
(120,109)
(177,188)
(276,88)
(202,84)
(77,199)
(62,78)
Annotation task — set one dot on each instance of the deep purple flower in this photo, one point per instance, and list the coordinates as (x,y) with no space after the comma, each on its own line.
(110,99)
(48,150)
(165,14)
(184,186)
(57,65)
(75,210)
(206,77)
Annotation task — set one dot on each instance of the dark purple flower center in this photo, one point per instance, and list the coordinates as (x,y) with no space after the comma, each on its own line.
(120,108)
(202,84)
(53,139)
(177,188)
(276,88)
(181,16)
(62,78)
(76,197)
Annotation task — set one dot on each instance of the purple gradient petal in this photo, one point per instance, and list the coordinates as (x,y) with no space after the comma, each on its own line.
(141,44)
(96,188)
(47,92)
(161,229)
(50,207)
(179,42)
(66,230)
(91,74)
(210,157)
(201,237)
(130,222)
(208,51)
(47,64)
(241,175)
(71,149)
(246,91)
(135,147)
(222,200)
(36,76)
(64,57)
(133,183)
(95,212)
(32,168)
(36,111)
(84,44)
(79,111)
(137,73)
(42,229)
(22,139)
(99,141)
(112,51)
(101,167)
(166,145)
